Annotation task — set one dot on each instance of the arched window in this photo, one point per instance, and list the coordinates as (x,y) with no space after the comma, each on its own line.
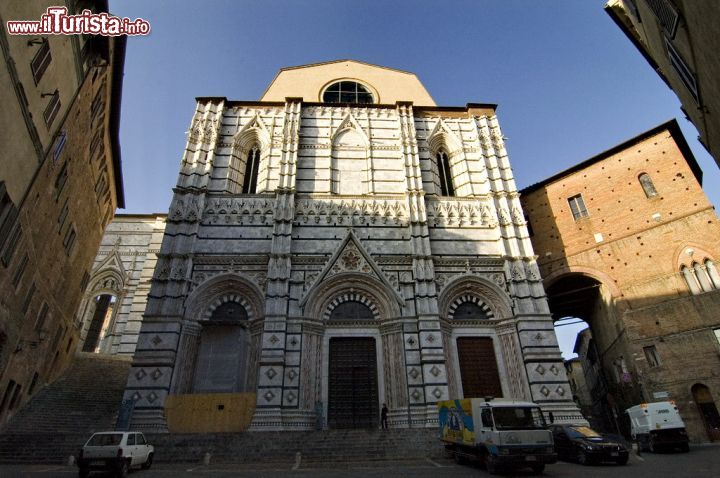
(469,311)
(251,171)
(222,356)
(689,276)
(347,92)
(647,185)
(713,273)
(352,310)
(702,277)
(443,165)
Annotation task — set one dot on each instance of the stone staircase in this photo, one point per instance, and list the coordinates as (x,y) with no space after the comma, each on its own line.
(316,448)
(61,417)
(64,414)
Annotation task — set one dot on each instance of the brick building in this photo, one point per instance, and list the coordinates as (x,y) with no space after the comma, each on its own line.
(60,183)
(628,241)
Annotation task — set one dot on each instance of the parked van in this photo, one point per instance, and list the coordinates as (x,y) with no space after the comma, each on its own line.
(499,434)
(657,426)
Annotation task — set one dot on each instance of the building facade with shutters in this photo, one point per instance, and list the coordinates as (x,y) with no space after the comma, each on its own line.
(629,242)
(60,183)
(339,244)
(679,40)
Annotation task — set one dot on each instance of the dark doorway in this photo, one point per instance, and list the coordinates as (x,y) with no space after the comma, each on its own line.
(99,323)
(353,388)
(478,367)
(708,410)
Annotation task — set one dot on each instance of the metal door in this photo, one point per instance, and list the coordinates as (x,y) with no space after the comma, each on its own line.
(353,390)
(478,368)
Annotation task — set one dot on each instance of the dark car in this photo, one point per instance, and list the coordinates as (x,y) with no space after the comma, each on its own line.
(586,446)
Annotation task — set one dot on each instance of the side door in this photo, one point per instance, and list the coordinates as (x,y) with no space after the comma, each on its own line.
(130,448)
(142,448)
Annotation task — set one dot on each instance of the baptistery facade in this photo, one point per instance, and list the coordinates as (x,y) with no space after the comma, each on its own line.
(341,244)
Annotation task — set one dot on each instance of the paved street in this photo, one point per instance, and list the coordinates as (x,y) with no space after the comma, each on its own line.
(701,462)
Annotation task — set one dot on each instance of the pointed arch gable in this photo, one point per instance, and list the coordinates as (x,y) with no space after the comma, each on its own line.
(222,288)
(349,123)
(377,273)
(443,138)
(253,132)
(496,302)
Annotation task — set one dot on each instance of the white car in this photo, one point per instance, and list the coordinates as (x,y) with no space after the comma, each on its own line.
(115,451)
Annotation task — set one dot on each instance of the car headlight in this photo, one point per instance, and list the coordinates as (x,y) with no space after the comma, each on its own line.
(587,446)
(512,439)
(549,450)
(504,451)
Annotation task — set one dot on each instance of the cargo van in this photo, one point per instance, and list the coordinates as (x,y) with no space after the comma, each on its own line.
(498,434)
(657,426)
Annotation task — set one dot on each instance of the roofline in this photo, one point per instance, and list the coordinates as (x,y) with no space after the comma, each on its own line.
(468,106)
(148,215)
(340,61)
(118,71)
(671,126)
(636,42)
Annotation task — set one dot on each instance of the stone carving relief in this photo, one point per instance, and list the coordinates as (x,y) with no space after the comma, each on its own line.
(348,212)
(259,278)
(185,210)
(243,210)
(449,213)
(351,260)
(204,131)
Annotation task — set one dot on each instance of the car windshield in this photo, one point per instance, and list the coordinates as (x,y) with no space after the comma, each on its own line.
(518,418)
(105,439)
(582,432)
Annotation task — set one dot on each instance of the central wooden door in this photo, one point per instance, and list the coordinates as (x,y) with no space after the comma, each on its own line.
(352,387)
(478,367)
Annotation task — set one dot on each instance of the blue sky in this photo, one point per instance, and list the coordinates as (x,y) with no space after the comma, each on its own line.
(567,82)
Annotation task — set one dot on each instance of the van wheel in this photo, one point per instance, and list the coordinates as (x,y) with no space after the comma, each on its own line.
(123,470)
(491,464)
(148,463)
(538,468)
(83,472)
(622,461)
(652,446)
(582,458)
(685,447)
(459,459)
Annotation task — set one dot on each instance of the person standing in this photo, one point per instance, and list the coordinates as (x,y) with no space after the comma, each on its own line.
(383,416)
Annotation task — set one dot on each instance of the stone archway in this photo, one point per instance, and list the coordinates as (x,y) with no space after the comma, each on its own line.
(708,410)
(100,308)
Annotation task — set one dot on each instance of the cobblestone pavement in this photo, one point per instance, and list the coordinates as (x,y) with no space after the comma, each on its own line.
(701,462)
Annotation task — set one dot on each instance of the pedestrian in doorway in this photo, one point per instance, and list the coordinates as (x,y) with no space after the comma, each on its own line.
(383,416)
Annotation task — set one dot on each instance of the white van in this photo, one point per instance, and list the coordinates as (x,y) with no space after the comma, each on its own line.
(657,426)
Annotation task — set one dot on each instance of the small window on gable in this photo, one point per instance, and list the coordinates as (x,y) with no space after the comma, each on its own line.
(446,183)
(251,171)
(347,92)
(647,185)
(577,206)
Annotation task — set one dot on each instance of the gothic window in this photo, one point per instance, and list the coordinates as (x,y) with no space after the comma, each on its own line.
(251,171)
(352,310)
(229,312)
(647,185)
(690,279)
(446,183)
(347,92)
(702,277)
(469,311)
(712,272)
(577,206)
